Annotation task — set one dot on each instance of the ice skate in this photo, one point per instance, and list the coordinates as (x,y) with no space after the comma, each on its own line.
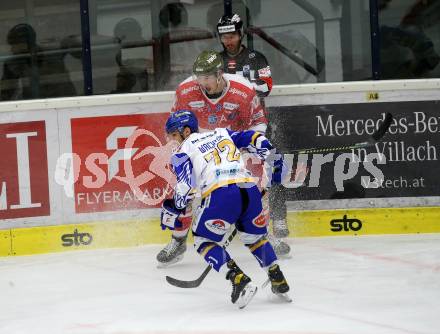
(242,289)
(278,282)
(172,253)
(281,248)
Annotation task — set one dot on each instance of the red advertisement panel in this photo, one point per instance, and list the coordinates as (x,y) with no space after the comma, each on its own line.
(24,184)
(121,162)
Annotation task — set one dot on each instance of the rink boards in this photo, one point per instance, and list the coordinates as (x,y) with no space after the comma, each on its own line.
(111,234)
(90,172)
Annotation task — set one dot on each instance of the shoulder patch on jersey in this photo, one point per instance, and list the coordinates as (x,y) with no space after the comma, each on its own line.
(257,115)
(251,55)
(264,72)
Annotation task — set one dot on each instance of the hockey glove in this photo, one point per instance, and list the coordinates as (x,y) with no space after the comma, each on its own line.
(278,171)
(169,215)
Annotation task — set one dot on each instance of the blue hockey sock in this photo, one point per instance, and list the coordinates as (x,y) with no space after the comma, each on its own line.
(263,252)
(214,254)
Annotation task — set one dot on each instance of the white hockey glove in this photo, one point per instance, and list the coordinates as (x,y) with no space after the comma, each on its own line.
(169,215)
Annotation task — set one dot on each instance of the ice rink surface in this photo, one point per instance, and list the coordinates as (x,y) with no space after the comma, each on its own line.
(341,285)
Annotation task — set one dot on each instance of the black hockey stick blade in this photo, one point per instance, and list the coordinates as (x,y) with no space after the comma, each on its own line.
(195,283)
(377,135)
(189,284)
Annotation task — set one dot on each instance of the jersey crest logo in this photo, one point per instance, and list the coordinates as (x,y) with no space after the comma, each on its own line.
(212,119)
(259,221)
(217,226)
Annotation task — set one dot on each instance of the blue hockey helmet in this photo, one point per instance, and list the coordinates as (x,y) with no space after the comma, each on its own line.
(180,119)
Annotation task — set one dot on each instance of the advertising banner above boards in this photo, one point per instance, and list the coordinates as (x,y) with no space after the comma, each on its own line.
(404,163)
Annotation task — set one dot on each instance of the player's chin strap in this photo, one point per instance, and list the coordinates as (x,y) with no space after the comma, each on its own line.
(195,283)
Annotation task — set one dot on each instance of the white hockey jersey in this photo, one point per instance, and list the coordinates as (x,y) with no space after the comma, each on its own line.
(210,160)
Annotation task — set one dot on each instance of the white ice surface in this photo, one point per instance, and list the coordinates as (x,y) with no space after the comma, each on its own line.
(341,285)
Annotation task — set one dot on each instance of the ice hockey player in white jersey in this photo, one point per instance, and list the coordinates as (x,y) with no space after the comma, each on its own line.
(211,162)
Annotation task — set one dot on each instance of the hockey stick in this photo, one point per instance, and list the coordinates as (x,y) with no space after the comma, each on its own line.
(375,137)
(195,283)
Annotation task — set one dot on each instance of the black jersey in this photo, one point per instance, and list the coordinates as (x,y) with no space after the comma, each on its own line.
(253,66)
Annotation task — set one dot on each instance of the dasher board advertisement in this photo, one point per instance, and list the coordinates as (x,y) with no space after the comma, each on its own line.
(24,183)
(122,164)
(404,163)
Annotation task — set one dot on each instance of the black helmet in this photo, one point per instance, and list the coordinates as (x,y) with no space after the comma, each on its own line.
(228,24)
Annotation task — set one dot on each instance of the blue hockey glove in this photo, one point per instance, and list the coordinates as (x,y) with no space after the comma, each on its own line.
(278,171)
(169,215)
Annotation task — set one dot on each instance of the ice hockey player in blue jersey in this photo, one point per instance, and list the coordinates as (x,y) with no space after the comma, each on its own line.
(211,162)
